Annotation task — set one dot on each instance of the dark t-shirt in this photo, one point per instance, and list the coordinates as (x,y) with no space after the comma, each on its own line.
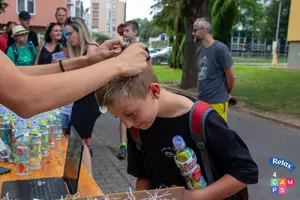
(46,56)
(228,152)
(33,38)
(211,63)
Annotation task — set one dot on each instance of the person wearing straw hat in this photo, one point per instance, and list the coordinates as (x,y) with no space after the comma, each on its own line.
(22,53)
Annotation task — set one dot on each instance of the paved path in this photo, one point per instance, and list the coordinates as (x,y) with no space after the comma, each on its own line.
(264,138)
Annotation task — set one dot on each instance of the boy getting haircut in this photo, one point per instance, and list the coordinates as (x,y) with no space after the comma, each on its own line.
(159,115)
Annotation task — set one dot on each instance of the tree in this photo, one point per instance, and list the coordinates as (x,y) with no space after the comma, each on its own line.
(189,12)
(169,16)
(147,29)
(100,38)
(250,16)
(270,24)
(192,9)
(224,15)
(3,5)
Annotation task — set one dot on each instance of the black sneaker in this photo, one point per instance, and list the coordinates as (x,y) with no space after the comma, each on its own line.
(122,152)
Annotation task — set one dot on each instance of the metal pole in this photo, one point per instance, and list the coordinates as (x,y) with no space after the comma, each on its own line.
(278,20)
(125,11)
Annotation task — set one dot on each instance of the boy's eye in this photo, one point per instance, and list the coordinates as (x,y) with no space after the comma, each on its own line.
(130,114)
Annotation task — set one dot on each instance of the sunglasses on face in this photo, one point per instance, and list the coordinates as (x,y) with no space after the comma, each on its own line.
(25,34)
(70,33)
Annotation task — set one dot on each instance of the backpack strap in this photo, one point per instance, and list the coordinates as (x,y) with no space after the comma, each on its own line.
(197,118)
(136,136)
(15,50)
(30,46)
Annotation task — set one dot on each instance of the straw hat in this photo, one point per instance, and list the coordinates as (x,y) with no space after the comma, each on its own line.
(18,30)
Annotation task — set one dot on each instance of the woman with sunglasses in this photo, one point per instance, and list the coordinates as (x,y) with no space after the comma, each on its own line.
(85,111)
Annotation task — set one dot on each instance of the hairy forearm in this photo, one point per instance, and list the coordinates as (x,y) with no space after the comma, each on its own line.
(221,189)
(142,184)
(69,65)
(31,95)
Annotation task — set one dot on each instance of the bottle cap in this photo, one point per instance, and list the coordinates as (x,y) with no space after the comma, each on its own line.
(178,143)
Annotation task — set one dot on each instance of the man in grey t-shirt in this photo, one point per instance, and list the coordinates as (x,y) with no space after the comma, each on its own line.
(215,68)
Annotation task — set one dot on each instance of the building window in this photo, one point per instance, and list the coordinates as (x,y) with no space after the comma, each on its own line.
(114,28)
(95,14)
(27,5)
(95,6)
(95,22)
(114,21)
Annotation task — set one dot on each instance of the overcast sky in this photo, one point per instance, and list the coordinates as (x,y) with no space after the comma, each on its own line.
(135,8)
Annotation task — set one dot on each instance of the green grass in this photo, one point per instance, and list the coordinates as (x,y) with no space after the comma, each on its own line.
(264,88)
(166,74)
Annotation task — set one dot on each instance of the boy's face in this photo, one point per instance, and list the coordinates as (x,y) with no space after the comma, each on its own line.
(129,33)
(138,112)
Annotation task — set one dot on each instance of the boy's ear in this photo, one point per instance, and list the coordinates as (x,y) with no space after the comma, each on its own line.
(154,89)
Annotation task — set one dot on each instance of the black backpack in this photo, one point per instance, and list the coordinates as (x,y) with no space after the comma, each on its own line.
(197,119)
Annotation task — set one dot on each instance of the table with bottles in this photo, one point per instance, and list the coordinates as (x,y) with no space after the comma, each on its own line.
(36,148)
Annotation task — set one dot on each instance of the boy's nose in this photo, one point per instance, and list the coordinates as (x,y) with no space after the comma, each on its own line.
(128,124)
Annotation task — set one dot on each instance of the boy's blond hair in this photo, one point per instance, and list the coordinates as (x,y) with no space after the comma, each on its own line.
(134,86)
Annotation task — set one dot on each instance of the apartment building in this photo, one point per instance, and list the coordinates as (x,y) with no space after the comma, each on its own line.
(106,15)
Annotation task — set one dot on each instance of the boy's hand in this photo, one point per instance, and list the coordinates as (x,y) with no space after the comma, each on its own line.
(133,59)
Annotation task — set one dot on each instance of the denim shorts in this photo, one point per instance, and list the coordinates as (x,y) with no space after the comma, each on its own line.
(65,120)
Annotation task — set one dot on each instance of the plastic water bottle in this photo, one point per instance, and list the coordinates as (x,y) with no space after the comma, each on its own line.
(35,145)
(58,127)
(5,127)
(51,129)
(186,160)
(23,157)
(35,151)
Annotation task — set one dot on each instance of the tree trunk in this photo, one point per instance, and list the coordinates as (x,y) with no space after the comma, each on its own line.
(189,72)
(192,10)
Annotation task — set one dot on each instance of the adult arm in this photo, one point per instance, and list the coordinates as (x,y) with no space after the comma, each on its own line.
(102,53)
(30,95)
(226,63)
(229,79)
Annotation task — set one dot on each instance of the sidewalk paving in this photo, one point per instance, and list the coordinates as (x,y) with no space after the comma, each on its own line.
(109,172)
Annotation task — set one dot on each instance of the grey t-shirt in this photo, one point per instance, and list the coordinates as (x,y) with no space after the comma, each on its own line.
(211,63)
